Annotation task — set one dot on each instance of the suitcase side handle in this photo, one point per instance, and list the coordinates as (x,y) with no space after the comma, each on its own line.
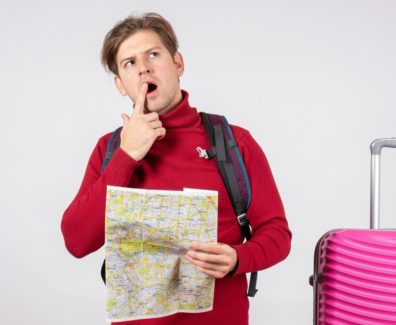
(376,148)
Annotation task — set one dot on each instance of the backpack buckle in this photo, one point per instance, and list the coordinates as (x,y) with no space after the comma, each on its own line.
(243,220)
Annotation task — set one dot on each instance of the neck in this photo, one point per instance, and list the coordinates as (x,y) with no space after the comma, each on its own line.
(181,116)
(177,100)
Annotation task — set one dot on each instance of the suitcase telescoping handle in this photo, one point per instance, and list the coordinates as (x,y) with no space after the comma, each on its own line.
(376,148)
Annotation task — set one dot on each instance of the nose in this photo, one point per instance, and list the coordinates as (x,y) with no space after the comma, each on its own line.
(144,67)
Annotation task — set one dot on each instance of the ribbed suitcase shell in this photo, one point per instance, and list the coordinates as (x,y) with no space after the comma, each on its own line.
(355,270)
(358,278)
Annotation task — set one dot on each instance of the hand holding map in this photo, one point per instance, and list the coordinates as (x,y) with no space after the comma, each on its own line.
(214,259)
(147,236)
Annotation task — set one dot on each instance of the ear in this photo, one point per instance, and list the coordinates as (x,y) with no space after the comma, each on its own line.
(179,63)
(119,85)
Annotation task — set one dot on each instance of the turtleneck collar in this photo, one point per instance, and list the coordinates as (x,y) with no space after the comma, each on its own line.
(181,116)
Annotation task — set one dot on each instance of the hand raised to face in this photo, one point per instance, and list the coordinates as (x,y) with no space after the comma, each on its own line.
(140,130)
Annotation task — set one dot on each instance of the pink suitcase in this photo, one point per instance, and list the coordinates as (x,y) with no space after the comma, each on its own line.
(354,276)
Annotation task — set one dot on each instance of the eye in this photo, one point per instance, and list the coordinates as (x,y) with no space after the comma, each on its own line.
(129,63)
(153,55)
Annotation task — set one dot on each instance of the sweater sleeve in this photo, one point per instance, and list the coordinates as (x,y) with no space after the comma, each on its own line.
(83,221)
(271,237)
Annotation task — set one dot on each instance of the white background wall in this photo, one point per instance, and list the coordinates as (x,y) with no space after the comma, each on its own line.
(314,81)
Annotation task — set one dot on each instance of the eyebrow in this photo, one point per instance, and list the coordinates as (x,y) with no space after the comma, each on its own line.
(133,56)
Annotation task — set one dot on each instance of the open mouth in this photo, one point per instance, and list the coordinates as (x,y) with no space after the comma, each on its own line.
(151,87)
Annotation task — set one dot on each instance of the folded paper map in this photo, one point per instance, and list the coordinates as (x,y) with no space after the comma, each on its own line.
(147,237)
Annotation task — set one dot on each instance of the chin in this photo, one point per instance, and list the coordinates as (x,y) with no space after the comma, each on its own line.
(160,109)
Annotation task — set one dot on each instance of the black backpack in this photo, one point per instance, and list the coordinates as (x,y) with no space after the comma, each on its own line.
(231,167)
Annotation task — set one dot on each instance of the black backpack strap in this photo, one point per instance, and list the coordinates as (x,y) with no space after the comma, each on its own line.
(103,271)
(229,166)
(112,146)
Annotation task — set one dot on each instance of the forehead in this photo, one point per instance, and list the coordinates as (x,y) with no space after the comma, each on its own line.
(139,42)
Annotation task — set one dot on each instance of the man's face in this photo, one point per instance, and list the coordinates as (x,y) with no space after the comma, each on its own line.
(142,58)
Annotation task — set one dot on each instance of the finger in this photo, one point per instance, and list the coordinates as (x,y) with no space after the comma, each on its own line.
(209,266)
(155,124)
(161,132)
(125,118)
(207,258)
(214,274)
(211,247)
(140,100)
(150,117)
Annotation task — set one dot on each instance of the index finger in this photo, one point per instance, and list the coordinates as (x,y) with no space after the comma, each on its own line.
(140,100)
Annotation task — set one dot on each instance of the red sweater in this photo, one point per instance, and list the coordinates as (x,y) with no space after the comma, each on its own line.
(173,164)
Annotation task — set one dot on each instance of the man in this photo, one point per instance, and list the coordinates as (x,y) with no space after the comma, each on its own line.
(158,151)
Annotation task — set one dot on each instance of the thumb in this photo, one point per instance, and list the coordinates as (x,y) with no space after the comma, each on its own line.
(125,118)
